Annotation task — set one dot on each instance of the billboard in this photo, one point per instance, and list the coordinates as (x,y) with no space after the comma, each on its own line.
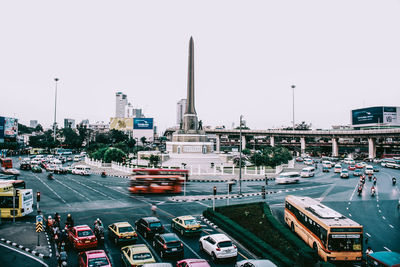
(121,124)
(1,129)
(143,123)
(367,115)
(10,127)
(390,115)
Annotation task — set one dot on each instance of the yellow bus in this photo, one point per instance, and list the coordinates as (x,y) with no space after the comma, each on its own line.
(333,236)
(23,201)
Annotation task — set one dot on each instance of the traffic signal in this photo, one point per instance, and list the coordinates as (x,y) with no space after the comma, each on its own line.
(230,187)
(38,196)
(263,192)
(215,190)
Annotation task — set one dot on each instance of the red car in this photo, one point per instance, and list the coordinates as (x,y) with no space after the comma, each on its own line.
(359,166)
(82,237)
(351,167)
(93,258)
(192,263)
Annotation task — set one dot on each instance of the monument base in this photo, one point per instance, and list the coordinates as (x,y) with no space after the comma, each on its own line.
(190,147)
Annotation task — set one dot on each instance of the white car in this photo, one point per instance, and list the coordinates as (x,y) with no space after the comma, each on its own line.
(81,170)
(337,168)
(255,263)
(369,169)
(77,158)
(218,246)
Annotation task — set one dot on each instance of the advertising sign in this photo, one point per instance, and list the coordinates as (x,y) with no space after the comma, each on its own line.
(10,127)
(1,128)
(367,115)
(390,115)
(143,123)
(121,124)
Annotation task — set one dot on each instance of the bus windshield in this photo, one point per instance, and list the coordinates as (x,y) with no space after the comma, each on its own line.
(344,242)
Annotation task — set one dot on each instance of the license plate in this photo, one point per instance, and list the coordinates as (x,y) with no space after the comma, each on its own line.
(228,251)
(174,249)
(128,237)
(87,241)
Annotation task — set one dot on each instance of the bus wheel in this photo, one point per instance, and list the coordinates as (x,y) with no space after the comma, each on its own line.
(315,248)
(292,227)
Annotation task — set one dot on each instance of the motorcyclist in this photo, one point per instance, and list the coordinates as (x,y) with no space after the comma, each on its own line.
(57,220)
(62,258)
(49,223)
(360,188)
(394,180)
(50,176)
(97,224)
(374,180)
(103,174)
(69,222)
(373,190)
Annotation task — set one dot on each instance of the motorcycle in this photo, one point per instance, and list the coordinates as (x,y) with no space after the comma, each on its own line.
(50,176)
(370,177)
(359,190)
(103,174)
(62,259)
(374,181)
(372,192)
(99,233)
(394,181)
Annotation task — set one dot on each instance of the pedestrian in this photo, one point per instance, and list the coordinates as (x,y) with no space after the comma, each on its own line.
(154,209)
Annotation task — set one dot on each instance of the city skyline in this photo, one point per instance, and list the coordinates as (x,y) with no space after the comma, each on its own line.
(336,64)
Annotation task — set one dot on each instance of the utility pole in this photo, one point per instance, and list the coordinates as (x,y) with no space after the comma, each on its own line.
(240,157)
(55,110)
(293,86)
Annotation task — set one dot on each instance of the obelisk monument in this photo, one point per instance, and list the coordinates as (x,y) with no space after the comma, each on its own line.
(190,138)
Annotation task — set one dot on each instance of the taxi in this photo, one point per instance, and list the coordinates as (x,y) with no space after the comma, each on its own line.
(82,237)
(135,255)
(122,232)
(186,225)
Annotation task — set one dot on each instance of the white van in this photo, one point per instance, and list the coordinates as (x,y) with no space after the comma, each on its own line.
(288,178)
(327,164)
(337,168)
(77,158)
(349,161)
(307,172)
(369,169)
(81,170)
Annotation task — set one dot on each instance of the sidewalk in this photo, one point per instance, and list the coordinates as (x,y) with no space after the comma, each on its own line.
(23,235)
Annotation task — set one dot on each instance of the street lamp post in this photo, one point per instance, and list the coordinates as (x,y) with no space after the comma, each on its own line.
(137,154)
(240,156)
(293,86)
(55,110)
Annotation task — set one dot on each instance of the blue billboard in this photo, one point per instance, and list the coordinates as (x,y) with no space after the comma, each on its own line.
(367,115)
(143,123)
(1,128)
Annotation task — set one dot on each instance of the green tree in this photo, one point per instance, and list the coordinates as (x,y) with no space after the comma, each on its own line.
(122,146)
(72,139)
(38,128)
(118,136)
(114,154)
(154,160)
(271,156)
(99,154)
(131,143)
(23,129)
(103,138)
(246,151)
(143,140)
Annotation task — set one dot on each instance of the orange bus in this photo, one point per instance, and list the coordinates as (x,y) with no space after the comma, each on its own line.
(175,172)
(156,184)
(333,236)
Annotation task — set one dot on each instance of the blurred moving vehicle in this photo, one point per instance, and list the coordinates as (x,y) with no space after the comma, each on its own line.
(122,232)
(369,169)
(168,245)
(218,246)
(357,172)
(351,167)
(23,201)
(299,159)
(383,259)
(193,263)
(81,170)
(93,258)
(25,166)
(308,161)
(186,225)
(287,178)
(36,169)
(325,169)
(137,255)
(344,173)
(307,172)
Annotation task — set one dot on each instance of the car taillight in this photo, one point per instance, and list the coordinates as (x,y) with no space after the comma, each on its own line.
(234,246)
(148,229)
(165,246)
(218,249)
(134,234)
(181,245)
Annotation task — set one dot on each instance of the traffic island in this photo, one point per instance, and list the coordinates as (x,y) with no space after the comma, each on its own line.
(254,226)
(23,235)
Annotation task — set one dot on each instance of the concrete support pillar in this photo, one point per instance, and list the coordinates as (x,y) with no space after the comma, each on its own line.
(218,145)
(243,142)
(302,145)
(335,147)
(371,148)
(272,140)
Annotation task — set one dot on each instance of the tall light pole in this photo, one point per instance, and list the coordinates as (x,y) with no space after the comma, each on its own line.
(55,111)
(293,86)
(240,156)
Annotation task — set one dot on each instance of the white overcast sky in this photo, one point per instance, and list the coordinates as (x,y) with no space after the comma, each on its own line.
(340,54)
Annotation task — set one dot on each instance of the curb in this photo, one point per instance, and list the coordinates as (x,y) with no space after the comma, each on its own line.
(207,221)
(33,252)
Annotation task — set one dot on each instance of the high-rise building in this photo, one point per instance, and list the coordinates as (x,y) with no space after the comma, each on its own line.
(180,110)
(85,123)
(33,123)
(69,123)
(121,101)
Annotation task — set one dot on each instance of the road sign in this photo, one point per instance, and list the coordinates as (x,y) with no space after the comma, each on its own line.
(39,219)
(39,227)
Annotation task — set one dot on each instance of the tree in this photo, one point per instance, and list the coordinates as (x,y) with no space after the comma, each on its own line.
(303,126)
(114,154)
(23,129)
(143,140)
(103,138)
(99,154)
(38,128)
(271,156)
(72,139)
(154,160)
(131,144)
(246,151)
(117,136)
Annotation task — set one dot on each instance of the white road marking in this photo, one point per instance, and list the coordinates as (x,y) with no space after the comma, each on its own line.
(368,234)
(327,191)
(379,211)
(391,226)
(350,214)
(352,194)
(91,188)
(25,254)
(347,208)
(85,197)
(383,217)
(377,205)
(194,252)
(203,204)
(54,192)
(387,249)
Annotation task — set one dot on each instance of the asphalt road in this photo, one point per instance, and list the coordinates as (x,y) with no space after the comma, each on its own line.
(88,198)
(11,256)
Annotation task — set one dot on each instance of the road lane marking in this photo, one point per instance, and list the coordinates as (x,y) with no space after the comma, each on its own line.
(150,247)
(379,211)
(352,194)
(368,234)
(85,197)
(54,192)
(350,214)
(391,226)
(91,188)
(203,204)
(243,256)
(387,249)
(377,205)
(25,254)
(194,252)
(383,217)
(327,191)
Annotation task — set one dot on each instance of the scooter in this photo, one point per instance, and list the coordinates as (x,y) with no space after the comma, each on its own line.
(103,174)
(372,192)
(393,181)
